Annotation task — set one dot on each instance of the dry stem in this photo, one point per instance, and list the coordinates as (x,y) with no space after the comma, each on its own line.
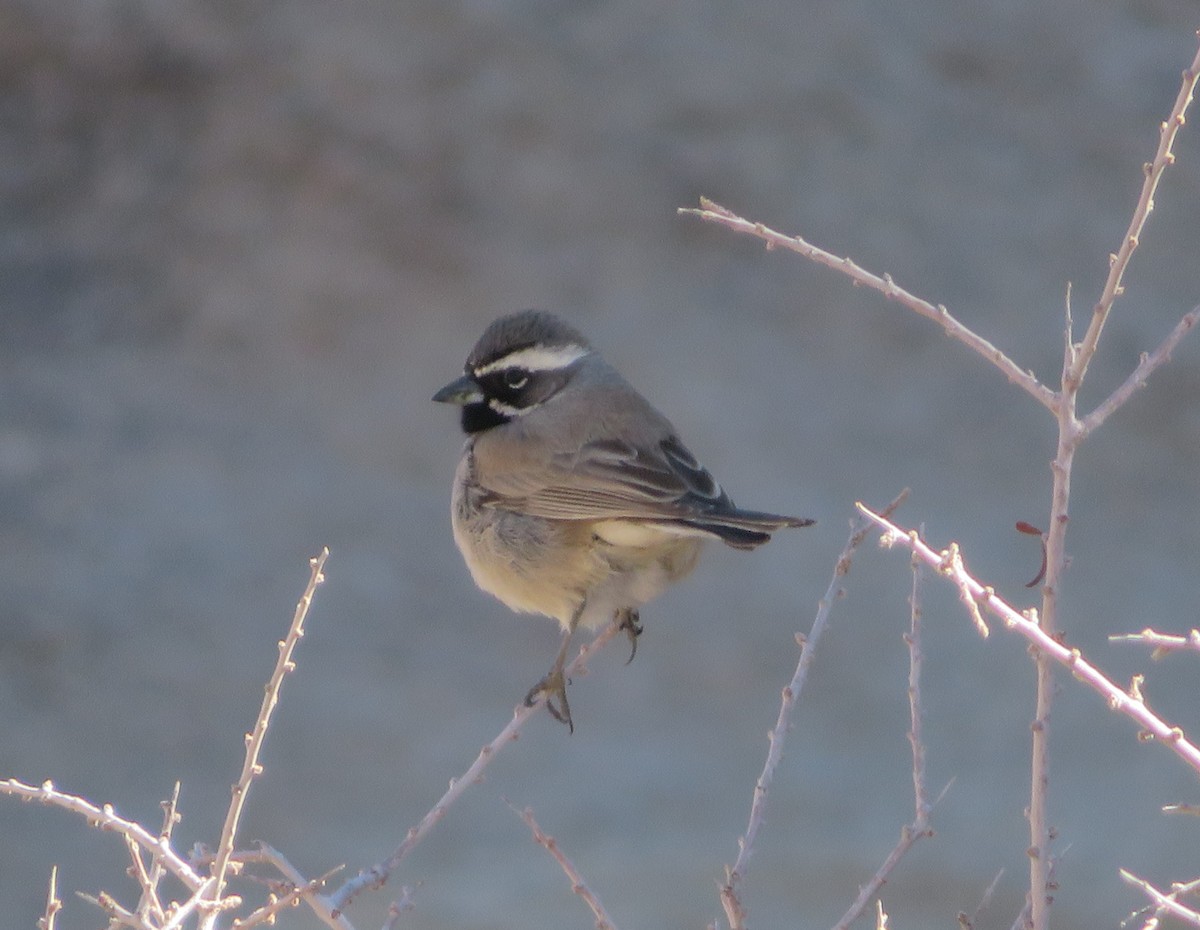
(251,768)
(53,904)
(730,897)
(1137,378)
(299,891)
(1119,261)
(1163,643)
(377,875)
(1130,705)
(308,891)
(919,827)
(1164,903)
(715,213)
(1071,432)
(106,818)
(578,885)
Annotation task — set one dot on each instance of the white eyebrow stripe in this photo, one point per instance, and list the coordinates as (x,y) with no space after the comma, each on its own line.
(535,358)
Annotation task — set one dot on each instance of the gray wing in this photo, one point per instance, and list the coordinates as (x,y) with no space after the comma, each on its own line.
(614,479)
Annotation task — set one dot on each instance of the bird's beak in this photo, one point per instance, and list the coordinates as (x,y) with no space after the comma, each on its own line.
(461,392)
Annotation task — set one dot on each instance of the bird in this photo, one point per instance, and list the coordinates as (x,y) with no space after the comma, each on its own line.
(574,497)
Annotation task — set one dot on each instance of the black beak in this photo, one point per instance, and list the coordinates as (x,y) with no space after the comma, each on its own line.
(460,392)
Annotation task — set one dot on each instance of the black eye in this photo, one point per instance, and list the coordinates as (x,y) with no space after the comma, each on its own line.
(515,379)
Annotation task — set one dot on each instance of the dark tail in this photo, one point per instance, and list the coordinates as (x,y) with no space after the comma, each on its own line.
(746,529)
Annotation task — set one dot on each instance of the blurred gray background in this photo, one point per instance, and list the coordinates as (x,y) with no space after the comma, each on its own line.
(241,244)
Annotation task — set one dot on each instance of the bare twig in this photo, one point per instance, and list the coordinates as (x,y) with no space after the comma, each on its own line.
(1071,432)
(53,904)
(981,627)
(1055,552)
(202,899)
(375,876)
(730,898)
(1152,726)
(1137,378)
(118,916)
(401,905)
(1024,918)
(578,885)
(150,905)
(919,827)
(1119,261)
(1163,643)
(907,838)
(967,921)
(715,213)
(105,818)
(265,854)
(1156,910)
(1164,903)
(251,768)
(298,891)
(915,733)
(397,908)
(309,891)
(149,908)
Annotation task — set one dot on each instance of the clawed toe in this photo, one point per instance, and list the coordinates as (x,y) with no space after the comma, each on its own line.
(627,621)
(554,687)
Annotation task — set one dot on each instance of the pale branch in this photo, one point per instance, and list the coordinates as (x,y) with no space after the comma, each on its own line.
(105,818)
(971,606)
(149,909)
(1192,810)
(375,876)
(251,768)
(1163,643)
(919,827)
(1025,917)
(1137,378)
(909,835)
(117,915)
(1164,903)
(730,898)
(201,900)
(1026,380)
(1119,261)
(1026,625)
(397,908)
(53,904)
(276,903)
(578,885)
(309,890)
(1055,554)
(967,921)
(916,737)
(1071,432)
(150,905)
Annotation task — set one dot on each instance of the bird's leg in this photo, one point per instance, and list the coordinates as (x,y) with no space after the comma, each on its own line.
(626,619)
(554,685)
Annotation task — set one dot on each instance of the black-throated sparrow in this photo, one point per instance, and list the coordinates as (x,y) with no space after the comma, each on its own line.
(574,497)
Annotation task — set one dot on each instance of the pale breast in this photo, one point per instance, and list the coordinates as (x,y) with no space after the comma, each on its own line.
(531,565)
(554,567)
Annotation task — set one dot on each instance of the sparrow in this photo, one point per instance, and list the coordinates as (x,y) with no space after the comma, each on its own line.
(574,497)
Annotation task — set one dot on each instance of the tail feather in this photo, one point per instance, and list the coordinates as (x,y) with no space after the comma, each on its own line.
(745,529)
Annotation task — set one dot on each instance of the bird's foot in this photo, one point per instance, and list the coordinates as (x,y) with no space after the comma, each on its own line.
(626,620)
(554,687)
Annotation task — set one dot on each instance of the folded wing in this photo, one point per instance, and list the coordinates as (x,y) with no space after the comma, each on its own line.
(665,485)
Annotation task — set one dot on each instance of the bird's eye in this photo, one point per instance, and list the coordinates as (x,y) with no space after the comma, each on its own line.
(515,379)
